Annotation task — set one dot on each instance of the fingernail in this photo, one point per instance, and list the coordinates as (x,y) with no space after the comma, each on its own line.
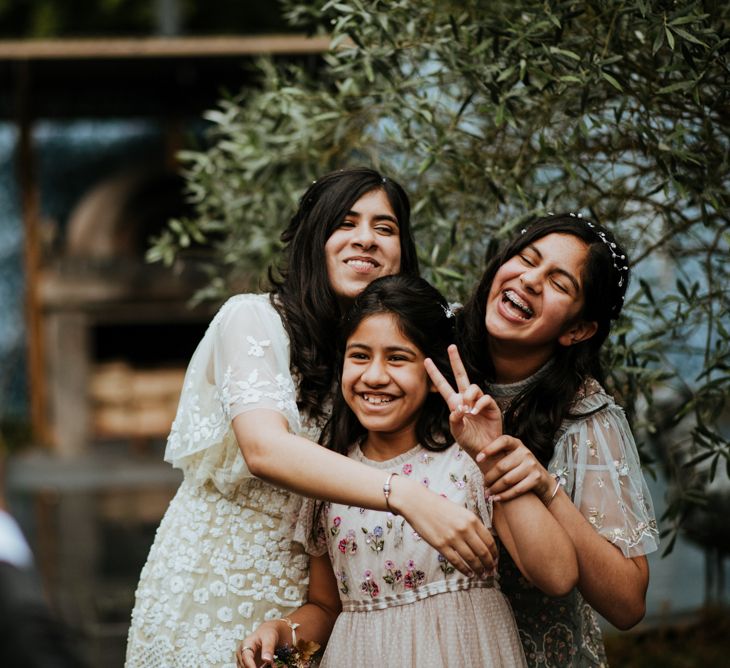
(266,657)
(496,498)
(487,493)
(473,411)
(480,457)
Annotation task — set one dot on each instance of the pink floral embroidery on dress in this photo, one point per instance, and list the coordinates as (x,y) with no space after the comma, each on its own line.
(369,587)
(348,545)
(392,575)
(413,577)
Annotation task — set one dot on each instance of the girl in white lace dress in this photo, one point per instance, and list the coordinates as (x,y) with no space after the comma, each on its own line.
(533,330)
(401,602)
(255,394)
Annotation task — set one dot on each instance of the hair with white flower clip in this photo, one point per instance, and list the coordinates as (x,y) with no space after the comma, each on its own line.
(605,278)
(426,319)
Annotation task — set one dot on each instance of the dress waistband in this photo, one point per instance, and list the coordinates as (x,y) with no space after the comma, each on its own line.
(422,592)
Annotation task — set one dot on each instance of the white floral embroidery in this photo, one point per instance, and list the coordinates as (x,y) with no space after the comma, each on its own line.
(596,518)
(222,560)
(622,467)
(225,614)
(257,347)
(591,448)
(209,632)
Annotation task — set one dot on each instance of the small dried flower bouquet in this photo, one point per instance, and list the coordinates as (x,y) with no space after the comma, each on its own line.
(300,655)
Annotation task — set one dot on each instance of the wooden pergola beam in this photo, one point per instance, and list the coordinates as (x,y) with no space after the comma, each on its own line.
(161,47)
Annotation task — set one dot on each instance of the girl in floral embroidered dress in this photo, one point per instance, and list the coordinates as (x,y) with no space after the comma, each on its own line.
(399,601)
(533,332)
(245,435)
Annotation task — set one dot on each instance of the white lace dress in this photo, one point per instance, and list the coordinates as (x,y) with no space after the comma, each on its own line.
(222,560)
(403,604)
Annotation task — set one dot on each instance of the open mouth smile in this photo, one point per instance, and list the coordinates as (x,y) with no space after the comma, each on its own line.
(516,305)
(376,399)
(362,265)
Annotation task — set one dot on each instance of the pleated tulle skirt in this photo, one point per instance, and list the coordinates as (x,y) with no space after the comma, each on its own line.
(462,628)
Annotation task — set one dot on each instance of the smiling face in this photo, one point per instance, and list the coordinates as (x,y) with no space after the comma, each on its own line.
(536,298)
(364,246)
(385,383)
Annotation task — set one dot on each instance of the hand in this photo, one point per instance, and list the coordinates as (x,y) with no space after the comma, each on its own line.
(257,649)
(511,469)
(452,530)
(475,418)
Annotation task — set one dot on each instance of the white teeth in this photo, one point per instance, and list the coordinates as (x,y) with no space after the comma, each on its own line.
(376,399)
(361,264)
(514,298)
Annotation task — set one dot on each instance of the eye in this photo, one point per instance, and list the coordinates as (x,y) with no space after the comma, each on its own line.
(398,358)
(526,260)
(387,230)
(560,286)
(358,356)
(347,224)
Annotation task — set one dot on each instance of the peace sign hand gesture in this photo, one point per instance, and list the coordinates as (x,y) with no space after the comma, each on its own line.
(475,418)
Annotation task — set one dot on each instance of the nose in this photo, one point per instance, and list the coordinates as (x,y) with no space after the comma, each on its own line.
(531,280)
(376,374)
(363,235)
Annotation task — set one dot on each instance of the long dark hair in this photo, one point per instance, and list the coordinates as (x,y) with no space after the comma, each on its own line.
(536,414)
(425,319)
(301,289)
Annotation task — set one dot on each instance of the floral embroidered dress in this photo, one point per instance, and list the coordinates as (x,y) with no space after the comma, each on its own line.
(403,604)
(598,465)
(222,560)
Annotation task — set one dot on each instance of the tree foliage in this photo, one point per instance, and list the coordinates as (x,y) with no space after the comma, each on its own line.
(493,112)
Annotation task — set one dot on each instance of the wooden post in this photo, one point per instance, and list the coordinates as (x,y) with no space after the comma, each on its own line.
(30,209)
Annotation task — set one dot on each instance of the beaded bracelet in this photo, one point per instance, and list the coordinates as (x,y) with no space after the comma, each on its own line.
(293,626)
(386,492)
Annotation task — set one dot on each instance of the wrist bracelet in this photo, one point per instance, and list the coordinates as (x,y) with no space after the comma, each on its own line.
(555,491)
(293,626)
(386,492)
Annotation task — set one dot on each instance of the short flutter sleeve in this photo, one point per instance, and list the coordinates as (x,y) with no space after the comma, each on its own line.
(241,364)
(310,531)
(597,461)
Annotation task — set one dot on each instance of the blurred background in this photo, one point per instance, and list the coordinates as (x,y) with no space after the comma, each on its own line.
(96,100)
(99,102)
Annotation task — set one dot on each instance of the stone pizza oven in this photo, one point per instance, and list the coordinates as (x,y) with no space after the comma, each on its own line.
(118,331)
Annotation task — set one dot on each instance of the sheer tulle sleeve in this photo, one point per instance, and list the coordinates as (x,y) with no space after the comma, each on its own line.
(312,537)
(241,364)
(597,461)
